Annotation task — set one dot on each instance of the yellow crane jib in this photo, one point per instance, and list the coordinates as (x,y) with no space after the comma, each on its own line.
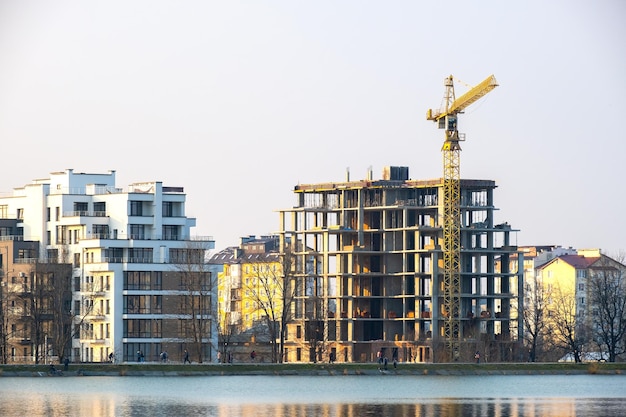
(454,106)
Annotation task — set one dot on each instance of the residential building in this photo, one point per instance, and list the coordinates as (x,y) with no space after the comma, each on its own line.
(567,275)
(586,292)
(249,292)
(376,281)
(132,256)
(35,300)
(534,300)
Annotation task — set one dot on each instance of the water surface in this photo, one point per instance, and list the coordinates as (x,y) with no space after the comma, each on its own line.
(261,396)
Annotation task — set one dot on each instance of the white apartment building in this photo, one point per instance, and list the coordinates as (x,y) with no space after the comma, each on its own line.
(127,248)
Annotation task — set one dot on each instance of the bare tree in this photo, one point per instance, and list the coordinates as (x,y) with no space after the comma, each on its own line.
(272,291)
(316,332)
(534,315)
(289,267)
(4,321)
(197,291)
(568,326)
(226,331)
(607,292)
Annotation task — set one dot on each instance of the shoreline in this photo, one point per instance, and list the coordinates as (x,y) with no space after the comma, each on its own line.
(325,369)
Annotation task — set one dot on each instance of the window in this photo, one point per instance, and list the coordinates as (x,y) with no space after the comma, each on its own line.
(113,255)
(20,214)
(57,213)
(48,214)
(142,280)
(53,254)
(142,304)
(581,287)
(4,211)
(137,231)
(170,232)
(140,255)
(99,209)
(142,328)
(581,273)
(81,208)
(168,209)
(192,256)
(136,208)
(100,231)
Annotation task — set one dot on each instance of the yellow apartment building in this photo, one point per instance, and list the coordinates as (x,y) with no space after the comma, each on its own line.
(567,275)
(247,284)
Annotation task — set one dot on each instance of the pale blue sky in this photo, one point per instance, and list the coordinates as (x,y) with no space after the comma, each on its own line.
(238,101)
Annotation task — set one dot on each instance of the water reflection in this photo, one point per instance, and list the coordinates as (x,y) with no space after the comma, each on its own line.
(358,396)
(502,408)
(112,406)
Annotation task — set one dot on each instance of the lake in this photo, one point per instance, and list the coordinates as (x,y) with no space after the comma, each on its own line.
(329,396)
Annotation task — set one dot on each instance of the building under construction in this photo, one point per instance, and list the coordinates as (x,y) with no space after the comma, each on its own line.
(376,281)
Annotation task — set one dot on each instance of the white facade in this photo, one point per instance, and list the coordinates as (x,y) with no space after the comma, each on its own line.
(106,232)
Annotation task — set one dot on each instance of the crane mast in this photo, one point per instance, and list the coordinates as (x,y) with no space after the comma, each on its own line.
(446,117)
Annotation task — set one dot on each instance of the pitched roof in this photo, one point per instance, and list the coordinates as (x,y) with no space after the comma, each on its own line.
(234,255)
(576,261)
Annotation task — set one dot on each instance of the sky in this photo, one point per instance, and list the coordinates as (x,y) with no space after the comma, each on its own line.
(240,101)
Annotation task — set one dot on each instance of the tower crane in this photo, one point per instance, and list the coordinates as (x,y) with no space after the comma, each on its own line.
(446,117)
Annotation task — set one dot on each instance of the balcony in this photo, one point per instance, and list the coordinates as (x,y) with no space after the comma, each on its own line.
(96,289)
(97,315)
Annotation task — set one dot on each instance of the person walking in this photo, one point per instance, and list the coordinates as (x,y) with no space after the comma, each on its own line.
(186,357)
(477,356)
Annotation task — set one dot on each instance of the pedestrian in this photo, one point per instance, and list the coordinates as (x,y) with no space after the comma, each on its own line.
(477,356)
(139,356)
(252,355)
(385,363)
(379,356)
(186,357)
(111,357)
(219,357)
(66,363)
